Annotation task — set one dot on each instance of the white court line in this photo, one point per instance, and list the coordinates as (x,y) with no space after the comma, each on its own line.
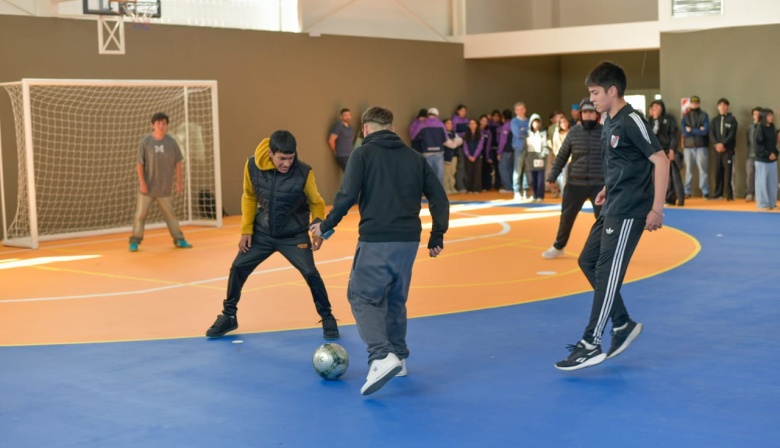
(505,228)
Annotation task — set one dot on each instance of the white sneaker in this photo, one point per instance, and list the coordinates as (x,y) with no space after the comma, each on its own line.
(380,372)
(503,190)
(552,252)
(403,371)
(517,197)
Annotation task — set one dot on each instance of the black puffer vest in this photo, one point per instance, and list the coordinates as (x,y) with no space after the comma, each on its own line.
(282,207)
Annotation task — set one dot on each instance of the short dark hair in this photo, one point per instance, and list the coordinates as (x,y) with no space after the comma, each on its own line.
(160,116)
(724,101)
(377,115)
(764,113)
(507,114)
(344,110)
(459,107)
(606,75)
(283,141)
(757,109)
(422,113)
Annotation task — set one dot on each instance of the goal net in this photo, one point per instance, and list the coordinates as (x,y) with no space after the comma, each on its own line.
(76,147)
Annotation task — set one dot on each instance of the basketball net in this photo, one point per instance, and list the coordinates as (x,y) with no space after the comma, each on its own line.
(141,18)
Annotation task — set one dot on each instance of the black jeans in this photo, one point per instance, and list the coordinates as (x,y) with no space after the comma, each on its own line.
(604,261)
(725,167)
(296,250)
(574,196)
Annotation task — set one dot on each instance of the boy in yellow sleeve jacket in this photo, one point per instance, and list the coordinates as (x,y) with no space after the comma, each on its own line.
(280,194)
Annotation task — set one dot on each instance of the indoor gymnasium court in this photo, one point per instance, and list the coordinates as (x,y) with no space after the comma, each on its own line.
(103,347)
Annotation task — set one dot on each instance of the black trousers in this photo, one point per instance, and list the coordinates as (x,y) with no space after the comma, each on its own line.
(342,161)
(296,250)
(676,190)
(474,174)
(724,162)
(604,260)
(574,196)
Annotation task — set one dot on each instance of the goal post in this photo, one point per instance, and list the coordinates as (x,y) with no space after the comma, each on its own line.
(76,146)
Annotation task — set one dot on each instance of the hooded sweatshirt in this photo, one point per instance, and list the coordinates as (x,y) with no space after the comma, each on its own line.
(386,179)
(536,144)
(251,206)
(664,128)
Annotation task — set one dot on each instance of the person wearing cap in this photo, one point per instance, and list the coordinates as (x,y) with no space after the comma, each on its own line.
(432,135)
(664,127)
(586,173)
(576,115)
(724,134)
(696,131)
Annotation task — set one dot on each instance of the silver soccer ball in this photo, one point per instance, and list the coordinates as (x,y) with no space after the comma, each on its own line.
(330,361)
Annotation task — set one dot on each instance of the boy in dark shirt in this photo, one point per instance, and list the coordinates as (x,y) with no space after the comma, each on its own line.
(636,174)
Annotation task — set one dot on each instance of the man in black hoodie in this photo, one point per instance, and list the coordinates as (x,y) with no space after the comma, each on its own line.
(664,127)
(724,135)
(386,178)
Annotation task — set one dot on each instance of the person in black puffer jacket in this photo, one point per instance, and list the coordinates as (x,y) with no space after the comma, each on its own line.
(586,174)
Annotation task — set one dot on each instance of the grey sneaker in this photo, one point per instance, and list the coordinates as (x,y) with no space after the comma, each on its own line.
(552,252)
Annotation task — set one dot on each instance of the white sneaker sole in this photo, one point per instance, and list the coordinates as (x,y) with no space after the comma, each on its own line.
(370,388)
(633,335)
(591,362)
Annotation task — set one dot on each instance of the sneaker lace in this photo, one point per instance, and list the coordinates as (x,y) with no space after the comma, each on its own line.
(572,347)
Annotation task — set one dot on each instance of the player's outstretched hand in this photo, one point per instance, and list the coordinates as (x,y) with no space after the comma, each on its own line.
(245,243)
(435,251)
(316,243)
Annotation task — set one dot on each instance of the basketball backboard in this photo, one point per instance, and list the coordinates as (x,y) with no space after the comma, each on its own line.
(146,8)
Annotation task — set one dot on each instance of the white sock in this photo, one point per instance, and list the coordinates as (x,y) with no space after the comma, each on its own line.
(588,345)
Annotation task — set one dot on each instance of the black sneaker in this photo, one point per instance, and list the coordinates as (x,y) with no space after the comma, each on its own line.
(581,357)
(623,338)
(330,330)
(222,325)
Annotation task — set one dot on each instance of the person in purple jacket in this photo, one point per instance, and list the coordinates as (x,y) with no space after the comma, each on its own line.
(432,135)
(505,154)
(414,129)
(473,145)
(460,121)
(487,156)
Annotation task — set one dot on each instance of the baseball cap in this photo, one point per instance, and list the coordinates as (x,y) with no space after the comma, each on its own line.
(695,99)
(575,106)
(586,104)
(433,111)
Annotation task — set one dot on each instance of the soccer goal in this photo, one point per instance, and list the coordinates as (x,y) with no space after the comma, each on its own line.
(76,148)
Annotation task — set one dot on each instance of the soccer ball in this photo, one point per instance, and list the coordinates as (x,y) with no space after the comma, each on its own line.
(330,361)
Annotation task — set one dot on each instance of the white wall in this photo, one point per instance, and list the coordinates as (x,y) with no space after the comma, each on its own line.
(615,37)
(398,19)
(27,7)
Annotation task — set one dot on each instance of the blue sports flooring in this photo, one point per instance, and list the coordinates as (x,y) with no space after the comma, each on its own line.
(704,373)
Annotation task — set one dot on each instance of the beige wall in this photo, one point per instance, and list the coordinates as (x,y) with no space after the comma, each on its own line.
(269,81)
(642,68)
(728,65)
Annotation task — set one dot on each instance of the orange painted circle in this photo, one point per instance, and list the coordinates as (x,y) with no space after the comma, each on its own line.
(94,290)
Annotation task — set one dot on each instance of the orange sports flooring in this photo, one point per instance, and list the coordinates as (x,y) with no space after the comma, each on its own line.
(94,290)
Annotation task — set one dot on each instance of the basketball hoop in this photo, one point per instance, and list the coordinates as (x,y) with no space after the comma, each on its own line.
(140,12)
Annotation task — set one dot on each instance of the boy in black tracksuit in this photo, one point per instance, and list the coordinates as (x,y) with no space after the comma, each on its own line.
(664,127)
(724,135)
(636,173)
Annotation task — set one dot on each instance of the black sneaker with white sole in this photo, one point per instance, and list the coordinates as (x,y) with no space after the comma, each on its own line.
(581,356)
(622,338)
(330,330)
(222,325)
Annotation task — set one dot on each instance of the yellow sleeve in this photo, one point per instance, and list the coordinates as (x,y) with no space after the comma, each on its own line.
(248,204)
(316,203)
